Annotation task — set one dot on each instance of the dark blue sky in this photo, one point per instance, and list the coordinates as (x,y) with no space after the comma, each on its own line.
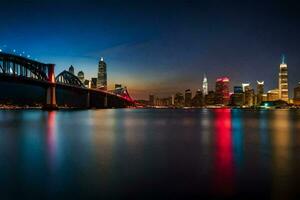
(159,46)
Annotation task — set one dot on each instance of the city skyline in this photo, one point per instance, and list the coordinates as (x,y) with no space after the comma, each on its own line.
(167,48)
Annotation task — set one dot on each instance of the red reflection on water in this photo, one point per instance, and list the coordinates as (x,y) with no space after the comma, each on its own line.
(51,137)
(223,174)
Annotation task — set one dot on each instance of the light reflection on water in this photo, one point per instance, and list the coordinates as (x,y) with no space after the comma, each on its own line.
(177,153)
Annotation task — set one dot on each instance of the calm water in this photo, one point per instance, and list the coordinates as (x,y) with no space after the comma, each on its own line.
(149,154)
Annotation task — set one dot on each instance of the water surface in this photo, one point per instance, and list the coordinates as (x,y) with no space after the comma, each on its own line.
(149,154)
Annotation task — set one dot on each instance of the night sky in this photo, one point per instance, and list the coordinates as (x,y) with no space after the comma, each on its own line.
(159,47)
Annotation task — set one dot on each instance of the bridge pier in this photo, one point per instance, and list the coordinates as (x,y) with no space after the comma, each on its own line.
(51,94)
(88,100)
(105,101)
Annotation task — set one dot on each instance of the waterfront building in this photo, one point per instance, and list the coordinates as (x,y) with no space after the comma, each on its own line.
(71,69)
(163,101)
(102,75)
(237,98)
(210,98)
(188,98)
(151,100)
(80,75)
(249,97)
(297,95)
(222,91)
(94,83)
(273,95)
(179,100)
(283,91)
(264,97)
(197,101)
(246,86)
(260,92)
(238,90)
(205,85)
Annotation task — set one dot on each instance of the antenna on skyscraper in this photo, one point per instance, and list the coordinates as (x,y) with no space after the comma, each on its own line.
(283,59)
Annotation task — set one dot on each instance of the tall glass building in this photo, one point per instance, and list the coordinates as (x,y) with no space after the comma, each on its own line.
(102,75)
(222,91)
(283,81)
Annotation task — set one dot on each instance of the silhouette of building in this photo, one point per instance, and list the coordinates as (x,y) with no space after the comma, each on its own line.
(260,92)
(179,100)
(210,98)
(94,83)
(237,98)
(188,98)
(102,75)
(163,101)
(80,75)
(222,91)
(197,101)
(283,91)
(151,100)
(71,69)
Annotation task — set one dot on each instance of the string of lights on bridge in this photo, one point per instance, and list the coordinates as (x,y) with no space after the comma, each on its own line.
(6,49)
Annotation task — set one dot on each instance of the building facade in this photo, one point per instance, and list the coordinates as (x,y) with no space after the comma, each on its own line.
(179,100)
(260,91)
(273,95)
(188,98)
(210,98)
(197,100)
(283,81)
(237,98)
(102,75)
(222,91)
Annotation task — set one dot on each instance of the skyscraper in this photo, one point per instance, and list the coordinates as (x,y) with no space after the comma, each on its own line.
(102,75)
(237,98)
(246,86)
(197,101)
(188,98)
(222,91)
(179,99)
(205,85)
(260,91)
(283,81)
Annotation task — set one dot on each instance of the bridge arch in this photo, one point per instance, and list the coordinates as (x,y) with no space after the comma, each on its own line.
(67,78)
(13,65)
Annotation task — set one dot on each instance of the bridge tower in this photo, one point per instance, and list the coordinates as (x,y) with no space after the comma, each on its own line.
(51,97)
